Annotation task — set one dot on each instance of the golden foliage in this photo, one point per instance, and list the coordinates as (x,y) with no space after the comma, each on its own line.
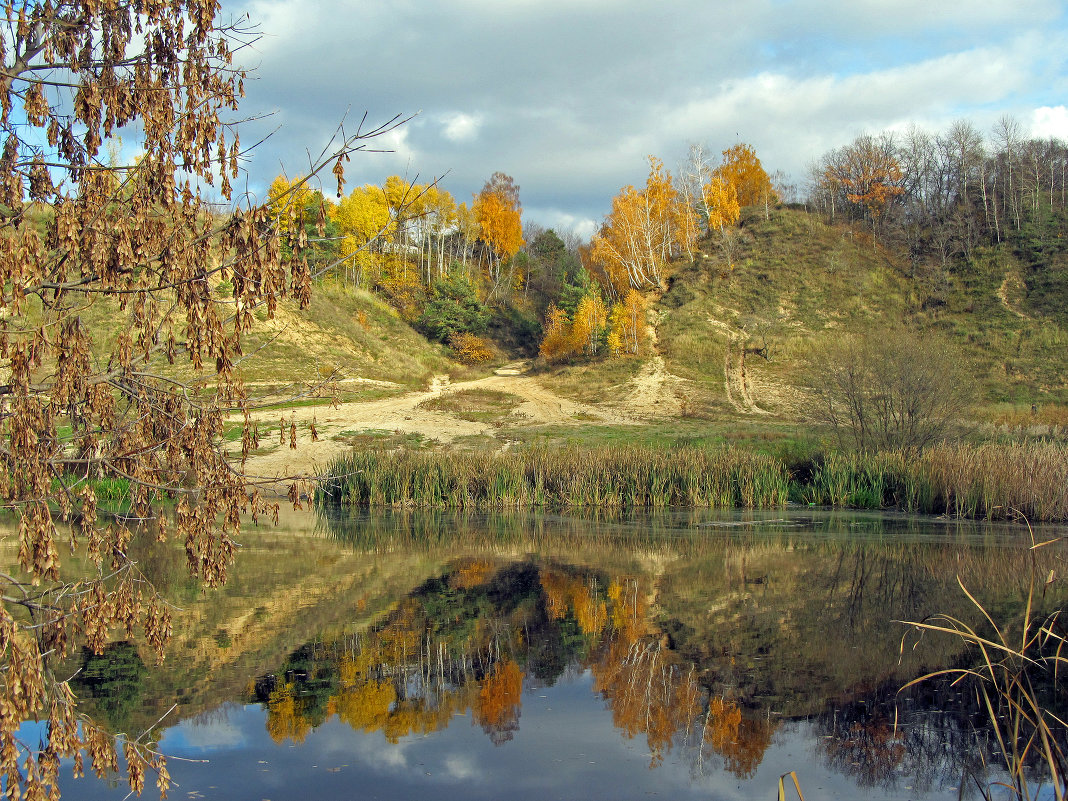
(366,706)
(468,348)
(362,216)
(564,592)
(742,170)
(556,344)
(497,212)
(285,715)
(719,199)
(499,700)
(739,740)
(630,608)
(286,201)
(470,573)
(401,284)
(632,322)
(644,230)
(590,320)
(592,325)
(647,692)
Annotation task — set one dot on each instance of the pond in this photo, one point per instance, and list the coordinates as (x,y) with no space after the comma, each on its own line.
(687,654)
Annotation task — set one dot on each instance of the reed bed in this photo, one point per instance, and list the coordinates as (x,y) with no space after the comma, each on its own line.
(991,481)
(618,477)
(988,482)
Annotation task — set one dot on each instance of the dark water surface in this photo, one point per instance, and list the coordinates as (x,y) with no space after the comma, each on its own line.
(681,655)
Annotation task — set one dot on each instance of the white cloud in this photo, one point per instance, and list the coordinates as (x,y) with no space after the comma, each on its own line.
(460,127)
(461,767)
(570,97)
(216,734)
(793,120)
(562,221)
(1050,123)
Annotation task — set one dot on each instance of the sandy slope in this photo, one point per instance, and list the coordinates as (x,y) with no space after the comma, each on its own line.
(404,414)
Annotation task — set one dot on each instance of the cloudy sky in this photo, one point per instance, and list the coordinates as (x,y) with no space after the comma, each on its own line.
(570,96)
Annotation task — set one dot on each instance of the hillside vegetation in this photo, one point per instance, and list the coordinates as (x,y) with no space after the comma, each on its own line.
(799,280)
(724,344)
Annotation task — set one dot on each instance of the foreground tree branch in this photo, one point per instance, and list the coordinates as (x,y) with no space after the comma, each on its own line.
(88,245)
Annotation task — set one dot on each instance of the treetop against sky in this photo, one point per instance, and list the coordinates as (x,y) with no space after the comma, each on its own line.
(570,97)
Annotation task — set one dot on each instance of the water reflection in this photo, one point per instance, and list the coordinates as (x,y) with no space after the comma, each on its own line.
(465,641)
(716,643)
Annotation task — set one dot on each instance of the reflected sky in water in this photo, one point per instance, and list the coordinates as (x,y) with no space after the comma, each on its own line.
(747,617)
(566,747)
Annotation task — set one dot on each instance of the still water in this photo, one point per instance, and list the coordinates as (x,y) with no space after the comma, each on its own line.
(682,655)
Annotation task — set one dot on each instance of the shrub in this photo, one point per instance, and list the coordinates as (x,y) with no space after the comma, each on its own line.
(470,349)
(453,308)
(889,389)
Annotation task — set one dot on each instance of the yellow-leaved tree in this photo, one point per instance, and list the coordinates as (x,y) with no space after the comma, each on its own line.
(498,213)
(556,342)
(719,201)
(742,169)
(644,230)
(363,217)
(591,317)
(439,219)
(633,321)
(287,200)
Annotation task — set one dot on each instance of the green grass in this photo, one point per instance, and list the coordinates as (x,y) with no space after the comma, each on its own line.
(802,280)
(475,405)
(381,439)
(762,437)
(624,477)
(596,381)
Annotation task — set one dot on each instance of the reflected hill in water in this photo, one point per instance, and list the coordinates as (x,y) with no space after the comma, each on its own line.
(703,634)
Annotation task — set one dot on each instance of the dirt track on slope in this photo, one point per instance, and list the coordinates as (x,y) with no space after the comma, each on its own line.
(652,394)
(406,414)
(736,382)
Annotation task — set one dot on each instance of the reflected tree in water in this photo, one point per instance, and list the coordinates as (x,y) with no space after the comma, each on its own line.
(499,702)
(464,642)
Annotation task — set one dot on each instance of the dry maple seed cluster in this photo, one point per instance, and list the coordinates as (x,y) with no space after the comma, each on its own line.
(82,235)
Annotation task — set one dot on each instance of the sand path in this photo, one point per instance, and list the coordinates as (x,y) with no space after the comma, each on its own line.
(406,414)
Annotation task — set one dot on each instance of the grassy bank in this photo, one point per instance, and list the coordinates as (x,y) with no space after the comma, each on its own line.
(986,482)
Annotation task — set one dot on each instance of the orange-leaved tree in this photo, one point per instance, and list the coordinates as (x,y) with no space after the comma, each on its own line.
(498,212)
(556,342)
(742,169)
(868,172)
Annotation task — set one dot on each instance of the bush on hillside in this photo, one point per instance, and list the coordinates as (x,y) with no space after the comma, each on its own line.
(470,349)
(453,308)
(889,389)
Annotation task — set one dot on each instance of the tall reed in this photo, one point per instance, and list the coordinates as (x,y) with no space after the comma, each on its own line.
(982,482)
(613,477)
(1017,677)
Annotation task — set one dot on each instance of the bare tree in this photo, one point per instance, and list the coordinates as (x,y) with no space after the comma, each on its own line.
(731,243)
(889,389)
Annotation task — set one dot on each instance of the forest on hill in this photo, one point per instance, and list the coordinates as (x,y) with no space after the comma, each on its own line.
(953,232)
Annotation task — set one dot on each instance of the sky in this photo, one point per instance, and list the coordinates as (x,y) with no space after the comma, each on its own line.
(570,97)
